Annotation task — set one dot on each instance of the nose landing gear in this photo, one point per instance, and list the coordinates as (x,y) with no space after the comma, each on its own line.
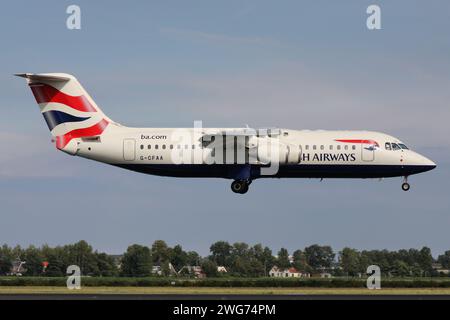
(240,186)
(405,184)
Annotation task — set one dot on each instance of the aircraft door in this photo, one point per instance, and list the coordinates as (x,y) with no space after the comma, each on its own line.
(294,153)
(367,152)
(129,149)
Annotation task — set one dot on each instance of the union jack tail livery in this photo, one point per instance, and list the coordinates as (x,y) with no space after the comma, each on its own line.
(68,109)
(80,128)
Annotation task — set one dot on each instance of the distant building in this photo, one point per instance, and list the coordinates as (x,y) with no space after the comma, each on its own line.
(117,258)
(195,271)
(17,268)
(221,269)
(285,273)
(158,270)
(440,269)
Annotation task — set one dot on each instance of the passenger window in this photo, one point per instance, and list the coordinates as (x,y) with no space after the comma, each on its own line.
(322,147)
(331,147)
(346,147)
(164,146)
(307,147)
(156,146)
(338,147)
(387,146)
(395,146)
(186,146)
(193,146)
(142,146)
(149,146)
(171,146)
(314,147)
(353,147)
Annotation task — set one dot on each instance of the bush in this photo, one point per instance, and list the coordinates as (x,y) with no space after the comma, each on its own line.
(226,282)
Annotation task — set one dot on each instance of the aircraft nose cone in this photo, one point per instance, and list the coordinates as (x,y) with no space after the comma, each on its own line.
(424,163)
(427,162)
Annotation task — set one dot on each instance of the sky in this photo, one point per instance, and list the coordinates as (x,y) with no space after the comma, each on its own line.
(287,64)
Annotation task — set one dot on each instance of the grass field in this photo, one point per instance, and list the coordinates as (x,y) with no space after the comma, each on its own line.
(216,290)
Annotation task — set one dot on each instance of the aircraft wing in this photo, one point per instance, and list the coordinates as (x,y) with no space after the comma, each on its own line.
(252,134)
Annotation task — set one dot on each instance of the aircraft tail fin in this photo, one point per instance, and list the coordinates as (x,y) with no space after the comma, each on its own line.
(68,109)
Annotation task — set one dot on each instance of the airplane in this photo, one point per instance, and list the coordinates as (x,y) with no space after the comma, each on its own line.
(80,128)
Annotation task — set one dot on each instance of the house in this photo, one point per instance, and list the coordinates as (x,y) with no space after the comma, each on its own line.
(17,268)
(284,273)
(158,270)
(325,275)
(195,271)
(440,269)
(221,269)
(117,258)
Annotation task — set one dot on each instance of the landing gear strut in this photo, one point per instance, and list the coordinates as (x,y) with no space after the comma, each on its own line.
(405,184)
(240,186)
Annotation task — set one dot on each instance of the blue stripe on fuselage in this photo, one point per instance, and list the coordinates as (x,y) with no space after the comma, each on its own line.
(285,171)
(54,118)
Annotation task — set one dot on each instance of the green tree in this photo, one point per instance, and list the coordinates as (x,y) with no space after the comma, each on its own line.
(6,259)
(209,268)
(444,259)
(349,261)
(319,257)
(105,265)
(240,249)
(268,260)
(426,260)
(264,259)
(82,255)
(400,268)
(137,261)
(178,257)
(283,259)
(300,262)
(34,259)
(255,268)
(160,252)
(221,253)
(56,266)
(192,258)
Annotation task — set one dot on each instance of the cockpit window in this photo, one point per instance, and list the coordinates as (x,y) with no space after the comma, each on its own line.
(403,146)
(387,146)
(395,146)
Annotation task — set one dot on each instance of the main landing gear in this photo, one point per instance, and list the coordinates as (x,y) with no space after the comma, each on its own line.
(405,184)
(240,186)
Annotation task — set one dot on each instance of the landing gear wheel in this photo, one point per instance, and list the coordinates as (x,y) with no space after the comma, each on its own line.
(239,186)
(405,186)
(245,188)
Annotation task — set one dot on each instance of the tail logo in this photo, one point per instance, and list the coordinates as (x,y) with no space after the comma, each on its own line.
(68,117)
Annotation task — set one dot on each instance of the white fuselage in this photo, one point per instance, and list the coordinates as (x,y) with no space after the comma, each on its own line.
(303,153)
(80,128)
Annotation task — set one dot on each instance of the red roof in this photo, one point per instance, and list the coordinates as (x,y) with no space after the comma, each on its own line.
(293,270)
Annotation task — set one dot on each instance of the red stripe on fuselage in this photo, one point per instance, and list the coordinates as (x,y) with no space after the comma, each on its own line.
(45,93)
(357,141)
(95,130)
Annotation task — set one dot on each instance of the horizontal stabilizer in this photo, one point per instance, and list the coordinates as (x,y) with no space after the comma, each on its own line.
(42,77)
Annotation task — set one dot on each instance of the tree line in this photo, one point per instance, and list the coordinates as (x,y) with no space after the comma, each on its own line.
(240,259)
